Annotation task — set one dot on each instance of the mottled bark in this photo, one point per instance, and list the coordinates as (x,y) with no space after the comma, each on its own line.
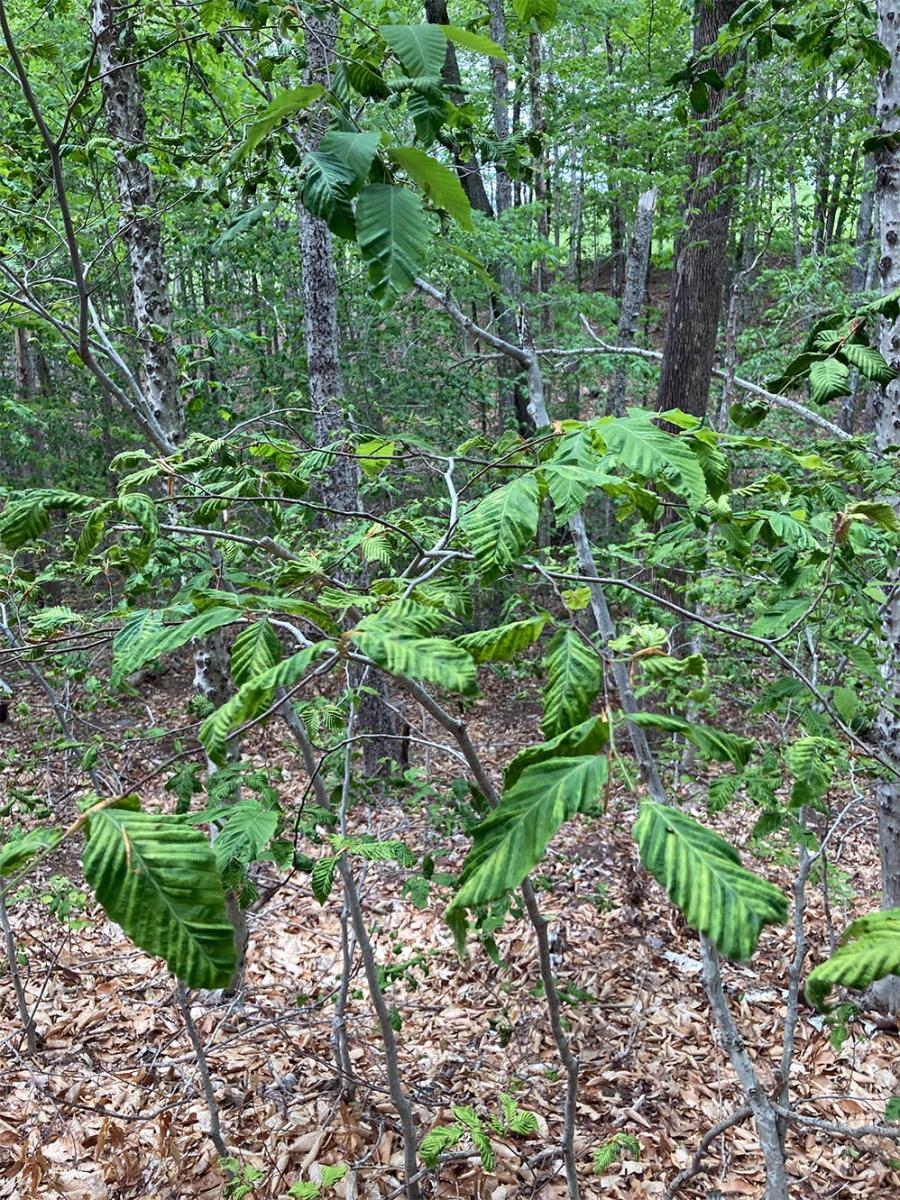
(139,227)
(886,414)
(864,229)
(633,294)
(695,303)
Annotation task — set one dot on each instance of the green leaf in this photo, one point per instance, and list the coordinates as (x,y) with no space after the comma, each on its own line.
(130,652)
(327,189)
(703,876)
(439,182)
(142,511)
(500,526)
(870,951)
(504,642)
(285,104)
(718,745)
(18,851)
(573,681)
(610,1152)
(366,78)
(356,150)
(435,659)
(809,760)
(254,650)
(642,446)
(879,513)
(542,12)
(474,41)
(828,379)
(244,830)
(374,455)
(28,517)
(392,233)
(870,363)
(590,737)
(253,697)
(420,48)
(156,876)
(437,1141)
(322,877)
(508,844)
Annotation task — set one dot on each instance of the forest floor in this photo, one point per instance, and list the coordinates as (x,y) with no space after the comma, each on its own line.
(111,1106)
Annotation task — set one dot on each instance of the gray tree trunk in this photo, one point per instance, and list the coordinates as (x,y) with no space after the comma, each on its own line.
(864,229)
(340,487)
(636,267)
(886,414)
(139,228)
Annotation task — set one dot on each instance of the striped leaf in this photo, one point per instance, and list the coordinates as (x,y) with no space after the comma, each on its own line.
(435,659)
(28,516)
(504,642)
(156,876)
(715,743)
(590,737)
(146,638)
(573,681)
(639,444)
(703,876)
(254,650)
(514,837)
(869,951)
(500,526)
(254,697)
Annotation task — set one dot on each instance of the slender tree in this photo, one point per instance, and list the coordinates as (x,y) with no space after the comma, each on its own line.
(886,414)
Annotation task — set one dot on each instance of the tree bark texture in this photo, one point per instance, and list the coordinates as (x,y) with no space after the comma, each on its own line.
(886,414)
(633,295)
(139,226)
(695,303)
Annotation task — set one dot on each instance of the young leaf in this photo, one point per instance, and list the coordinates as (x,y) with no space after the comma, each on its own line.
(590,737)
(156,876)
(514,837)
(869,951)
(642,446)
(18,851)
(703,876)
(285,104)
(573,681)
(392,233)
(322,877)
(870,363)
(809,760)
(130,652)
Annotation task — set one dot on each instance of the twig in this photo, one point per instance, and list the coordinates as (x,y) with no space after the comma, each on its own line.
(27,1018)
(215,1128)
(697,1167)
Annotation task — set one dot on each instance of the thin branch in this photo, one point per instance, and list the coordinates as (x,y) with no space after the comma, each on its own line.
(697,1167)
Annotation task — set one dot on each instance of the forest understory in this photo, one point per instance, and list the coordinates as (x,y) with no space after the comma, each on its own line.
(113,1107)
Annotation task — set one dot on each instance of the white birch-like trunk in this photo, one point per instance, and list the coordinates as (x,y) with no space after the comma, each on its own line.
(139,227)
(886,414)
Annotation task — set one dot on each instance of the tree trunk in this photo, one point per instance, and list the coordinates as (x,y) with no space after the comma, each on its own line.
(339,489)
(886,412)
(696,299)
(864,229)
(512,403)
(139,226)
(539,132)
(468,170)
(633,294)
